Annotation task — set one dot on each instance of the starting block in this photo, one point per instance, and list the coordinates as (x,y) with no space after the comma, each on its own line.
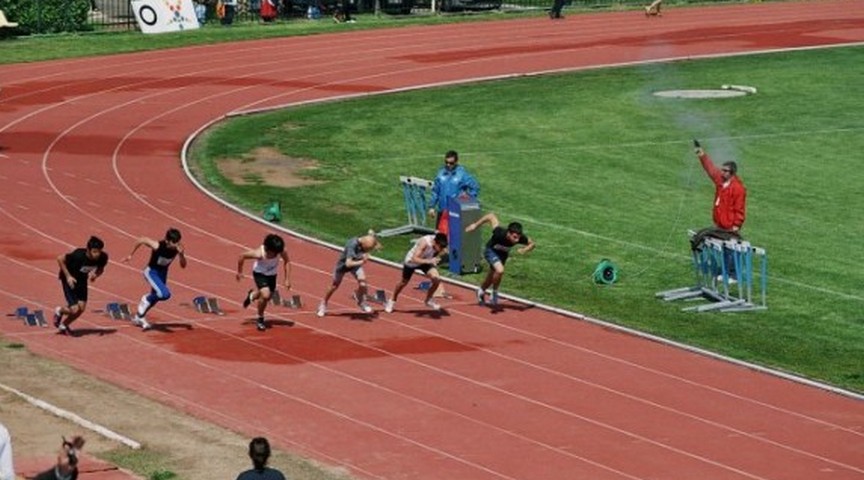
(425,285)
(293,302)
(118,311)
(379,297)
(207,305)
(35,318)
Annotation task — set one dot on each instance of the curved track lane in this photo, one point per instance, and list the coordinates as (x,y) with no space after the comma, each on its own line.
(91,146)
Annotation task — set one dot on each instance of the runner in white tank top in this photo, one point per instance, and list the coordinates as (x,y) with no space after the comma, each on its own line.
(424,256)
(264,272)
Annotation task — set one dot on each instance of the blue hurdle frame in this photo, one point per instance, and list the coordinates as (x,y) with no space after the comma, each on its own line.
(713,281)
(415,193)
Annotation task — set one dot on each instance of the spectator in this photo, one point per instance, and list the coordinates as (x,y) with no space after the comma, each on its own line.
(269,10)
(229,9)
(342,13)
(201,12)
(451,181)
(66,467)
(7,468)
(259,453)
(555,12)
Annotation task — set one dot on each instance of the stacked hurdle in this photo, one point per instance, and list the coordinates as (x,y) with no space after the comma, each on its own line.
(292,302)
(35,318)
(726,294)
(415,192)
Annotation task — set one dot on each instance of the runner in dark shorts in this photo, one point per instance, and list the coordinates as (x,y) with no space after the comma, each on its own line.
(77,269)
(351,260)
(497,251)
(264,273)
(424,256)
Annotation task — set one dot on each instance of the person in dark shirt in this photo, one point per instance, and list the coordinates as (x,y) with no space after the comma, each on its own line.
(162,255)
(77,269)
(259,453)
(66,467)
(497,250)
(555,11)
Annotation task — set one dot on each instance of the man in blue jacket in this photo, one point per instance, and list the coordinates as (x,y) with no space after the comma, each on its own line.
(452,180)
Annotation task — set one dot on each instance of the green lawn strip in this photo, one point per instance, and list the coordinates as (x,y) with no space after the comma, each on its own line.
(597,167)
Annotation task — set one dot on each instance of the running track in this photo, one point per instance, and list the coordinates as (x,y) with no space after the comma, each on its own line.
(92,146)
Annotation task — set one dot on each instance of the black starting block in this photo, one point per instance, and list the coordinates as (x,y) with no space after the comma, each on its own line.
(379,297)
(118,311)
(35,318)
(207,305)
(293,302)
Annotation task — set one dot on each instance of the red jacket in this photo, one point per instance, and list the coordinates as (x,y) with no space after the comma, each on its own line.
(729,199)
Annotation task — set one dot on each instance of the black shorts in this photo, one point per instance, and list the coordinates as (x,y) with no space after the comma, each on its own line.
(264,281)
(408,271)
(77,294)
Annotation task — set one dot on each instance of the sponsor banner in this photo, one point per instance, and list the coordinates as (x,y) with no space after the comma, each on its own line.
(160,16)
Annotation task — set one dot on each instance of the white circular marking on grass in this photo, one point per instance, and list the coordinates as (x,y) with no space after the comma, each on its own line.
(700,93)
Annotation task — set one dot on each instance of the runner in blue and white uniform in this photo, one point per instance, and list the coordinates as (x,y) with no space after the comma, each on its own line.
(162,255)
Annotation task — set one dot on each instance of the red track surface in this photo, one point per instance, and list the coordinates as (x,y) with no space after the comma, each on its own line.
(91,146)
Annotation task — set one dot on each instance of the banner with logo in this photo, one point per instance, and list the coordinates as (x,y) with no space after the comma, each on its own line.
(160,16)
